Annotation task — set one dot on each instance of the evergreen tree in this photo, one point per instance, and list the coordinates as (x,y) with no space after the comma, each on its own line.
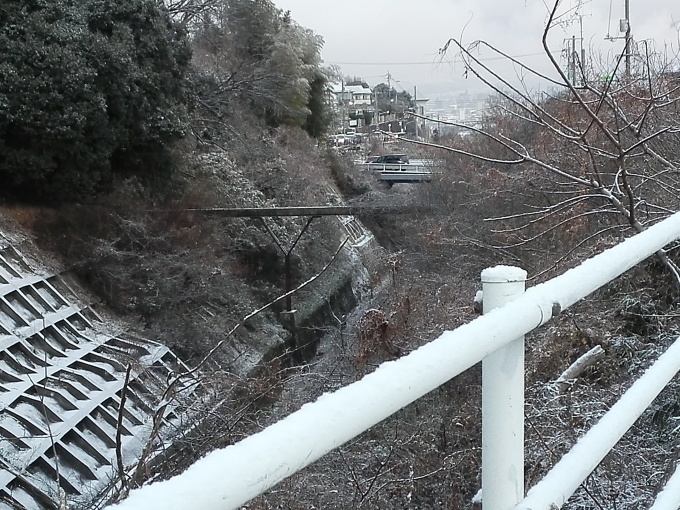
(89,90)
(318,119)
(252,52)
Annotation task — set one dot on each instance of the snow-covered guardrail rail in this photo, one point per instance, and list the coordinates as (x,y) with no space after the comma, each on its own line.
(227,478)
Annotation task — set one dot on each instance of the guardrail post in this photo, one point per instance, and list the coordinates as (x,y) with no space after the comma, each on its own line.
(503,400)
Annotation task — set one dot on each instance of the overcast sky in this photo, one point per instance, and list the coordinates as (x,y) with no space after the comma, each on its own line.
(370,38)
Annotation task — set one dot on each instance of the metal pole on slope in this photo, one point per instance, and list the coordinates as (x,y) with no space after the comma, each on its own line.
(503,400)
(628,48)
(573,60)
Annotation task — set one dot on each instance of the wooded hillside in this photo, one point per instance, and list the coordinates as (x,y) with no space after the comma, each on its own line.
(121,122)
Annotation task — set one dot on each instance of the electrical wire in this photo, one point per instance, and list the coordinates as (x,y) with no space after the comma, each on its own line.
(424,63)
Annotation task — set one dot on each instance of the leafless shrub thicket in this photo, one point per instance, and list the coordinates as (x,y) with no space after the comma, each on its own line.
(425,456)
(544,183)
(566,174)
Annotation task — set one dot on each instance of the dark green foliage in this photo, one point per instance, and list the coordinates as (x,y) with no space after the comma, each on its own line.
(389,100)
(317,120)
(251,53)
(89,90)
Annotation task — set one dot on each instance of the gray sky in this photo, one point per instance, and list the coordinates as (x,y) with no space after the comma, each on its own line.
(368,38)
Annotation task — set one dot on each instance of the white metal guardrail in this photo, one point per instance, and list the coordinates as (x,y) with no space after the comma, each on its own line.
(227,478)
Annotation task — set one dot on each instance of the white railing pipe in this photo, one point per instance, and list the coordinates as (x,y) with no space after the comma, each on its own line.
(229,477)
(503,400)
(575,466)
(669,497)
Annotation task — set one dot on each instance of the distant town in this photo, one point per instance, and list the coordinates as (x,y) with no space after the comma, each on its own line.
(360,109)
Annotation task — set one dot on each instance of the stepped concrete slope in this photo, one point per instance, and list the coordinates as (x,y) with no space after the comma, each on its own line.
(62,376)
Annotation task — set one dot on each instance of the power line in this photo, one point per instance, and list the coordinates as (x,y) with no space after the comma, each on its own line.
(429,63)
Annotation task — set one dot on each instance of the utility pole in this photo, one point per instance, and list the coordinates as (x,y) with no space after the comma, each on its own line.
(573,60)
(628,49)
(342,110)
(624,26)
(415,109)
(389,85)
(376,110)
(583,55)
(389,91)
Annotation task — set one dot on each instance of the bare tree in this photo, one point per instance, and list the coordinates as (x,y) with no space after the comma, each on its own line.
(600,155)
(186,11)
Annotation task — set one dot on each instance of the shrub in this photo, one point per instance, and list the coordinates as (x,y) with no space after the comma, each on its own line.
(350,181)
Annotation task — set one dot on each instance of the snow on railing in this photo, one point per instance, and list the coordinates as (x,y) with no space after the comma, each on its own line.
(229,477)
(575,466)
